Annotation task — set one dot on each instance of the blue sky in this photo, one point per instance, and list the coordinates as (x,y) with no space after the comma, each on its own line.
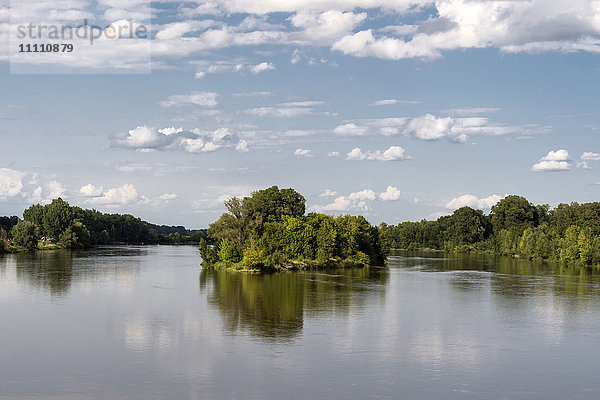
(397,110)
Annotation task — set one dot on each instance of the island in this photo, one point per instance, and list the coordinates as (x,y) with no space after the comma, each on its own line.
(269,231)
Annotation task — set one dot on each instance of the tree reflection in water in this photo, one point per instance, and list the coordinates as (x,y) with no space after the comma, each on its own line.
(274,306)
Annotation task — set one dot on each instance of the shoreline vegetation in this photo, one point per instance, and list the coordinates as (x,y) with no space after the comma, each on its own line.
(60,226)
(569,233)
(269,231)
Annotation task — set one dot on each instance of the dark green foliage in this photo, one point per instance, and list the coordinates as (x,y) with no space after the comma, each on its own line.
(513,212)
(75,237)
(515,227)
(269,230)
(7,223)
(24,235)
(74,227)
(57,217)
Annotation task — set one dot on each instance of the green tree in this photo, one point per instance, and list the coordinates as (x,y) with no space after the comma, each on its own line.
(57,217)
(513,212)
(570,244)
(24,234)
(229,251)
(75,237)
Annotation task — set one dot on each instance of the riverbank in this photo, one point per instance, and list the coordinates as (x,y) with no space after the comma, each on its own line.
(288,265)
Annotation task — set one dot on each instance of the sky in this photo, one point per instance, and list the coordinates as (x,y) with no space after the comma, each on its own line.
(396,110)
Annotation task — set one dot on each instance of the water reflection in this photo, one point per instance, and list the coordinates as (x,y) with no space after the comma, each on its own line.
(275,305)
(57,270)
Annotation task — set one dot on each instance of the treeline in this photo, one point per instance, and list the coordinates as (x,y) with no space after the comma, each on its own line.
(269,230)
(60,225)
(514,227)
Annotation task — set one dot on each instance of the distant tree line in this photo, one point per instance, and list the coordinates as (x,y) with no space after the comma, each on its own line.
(73,227)
(514,227)
(268,230)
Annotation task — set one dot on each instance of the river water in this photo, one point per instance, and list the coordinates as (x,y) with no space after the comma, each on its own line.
(149,323)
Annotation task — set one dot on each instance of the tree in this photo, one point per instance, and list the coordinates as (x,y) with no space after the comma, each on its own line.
(570,244)
(513,212)
(57,217)
(466,226)
(24,234)
(229,251)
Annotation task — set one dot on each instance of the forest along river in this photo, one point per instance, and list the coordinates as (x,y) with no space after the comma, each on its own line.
(149,323)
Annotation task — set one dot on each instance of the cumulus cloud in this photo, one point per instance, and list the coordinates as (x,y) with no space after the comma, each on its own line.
(45,193)
(325,27)
(167,196)
(355,201)
(344,26)
(365,194)
(202,99)
(145,139)
(393,153)
(510,25)
(391,193)
(554,161)
(328,193)
(220,67)
(302,153)
(264,66)
(123,195)
(430,127)
(11,182)
(469,200)
(589,156)
(350,130)
(90,190)
(242,146)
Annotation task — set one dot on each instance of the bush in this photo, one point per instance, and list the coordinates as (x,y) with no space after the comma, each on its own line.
(24,235)
(229,251)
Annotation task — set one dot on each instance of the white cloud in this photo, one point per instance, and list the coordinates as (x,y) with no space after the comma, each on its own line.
(333,154)
(389,102)
(470,111)
(220,67)
(365,194)
(168,196)
(392,193)
(90,190)
(325,27)
(289,109)
(242,146)
(145,139)
(123,195)
(11,183)
(554,161)
(510,25)
(328,193)
(302,153)
(551,166)
(430,127)
(469,200)
(558,155)
(583,165)
(589,156)
(264,66)
(202,99)
(350,130)
(393,153)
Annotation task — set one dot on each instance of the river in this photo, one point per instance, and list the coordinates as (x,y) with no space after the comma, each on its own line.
(149,323)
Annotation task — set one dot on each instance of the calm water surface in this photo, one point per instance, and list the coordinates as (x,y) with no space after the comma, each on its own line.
(148,323)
